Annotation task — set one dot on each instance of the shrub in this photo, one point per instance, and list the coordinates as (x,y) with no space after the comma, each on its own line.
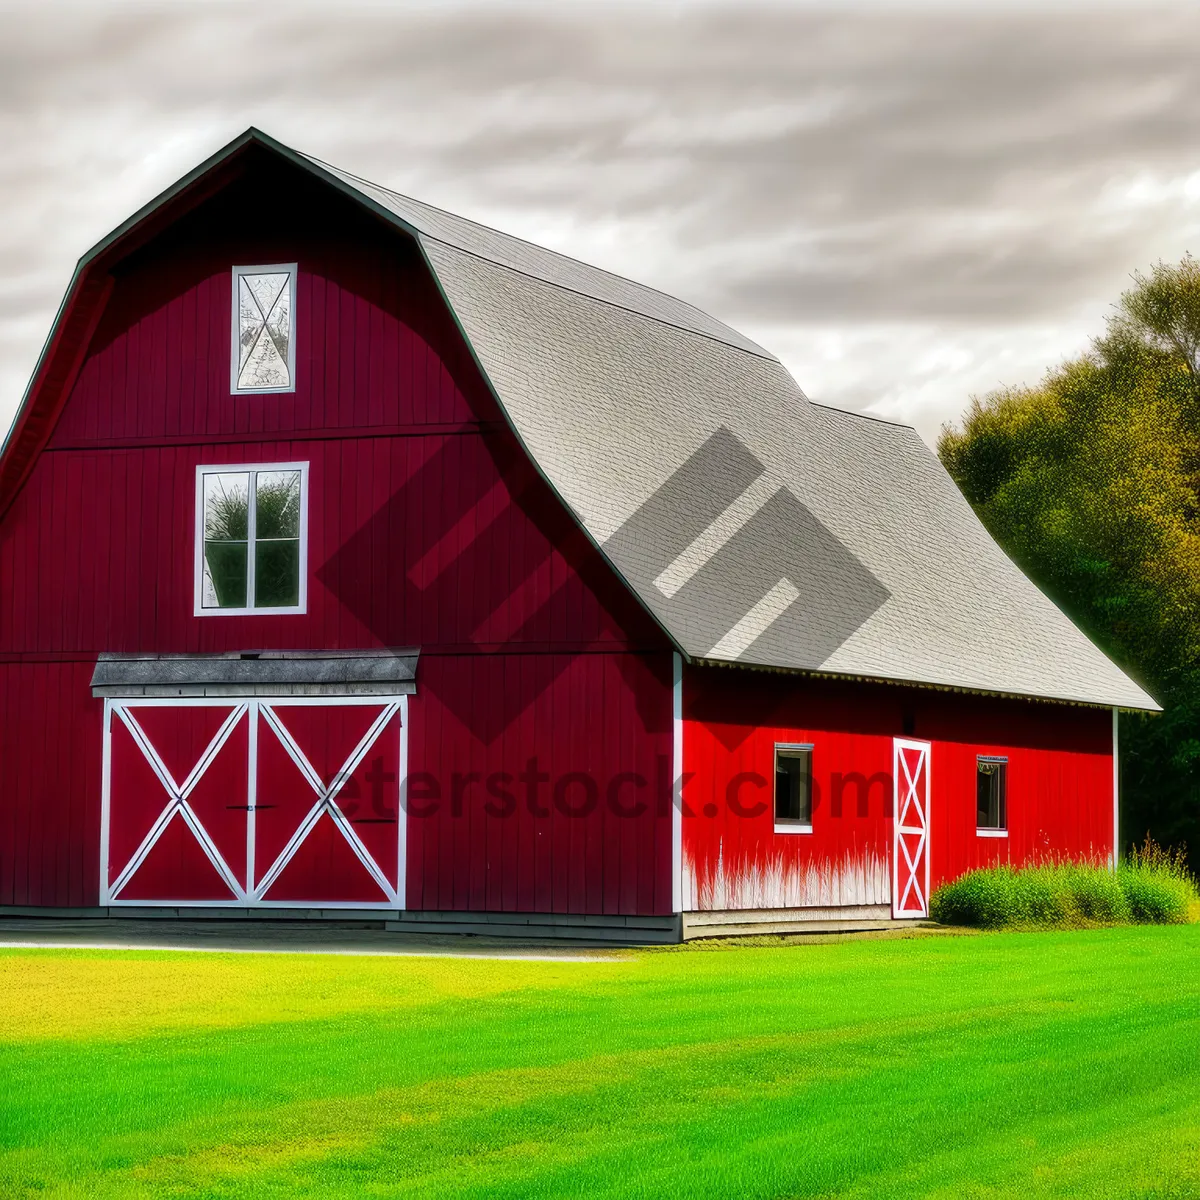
(980,898)
(1153,886)
(1157,884)
(1156,899)
(1099,897)
(1001,897)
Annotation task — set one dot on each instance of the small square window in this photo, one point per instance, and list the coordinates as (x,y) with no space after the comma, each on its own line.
(251,539)
(991,801)
(263,357)
(793,789)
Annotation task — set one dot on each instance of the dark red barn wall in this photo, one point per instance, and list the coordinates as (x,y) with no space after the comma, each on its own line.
(50,802)
(1059,784)
(427,528)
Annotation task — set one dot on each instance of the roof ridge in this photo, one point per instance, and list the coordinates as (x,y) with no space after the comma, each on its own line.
(763,354)
(538,248)
(504,233)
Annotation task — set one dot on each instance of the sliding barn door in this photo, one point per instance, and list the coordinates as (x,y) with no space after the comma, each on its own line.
(326,811)
(910,855)
(287,802)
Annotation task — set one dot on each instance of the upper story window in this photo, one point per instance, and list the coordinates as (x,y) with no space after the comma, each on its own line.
(991,801)
(251,539)
(793,789)
(264,349)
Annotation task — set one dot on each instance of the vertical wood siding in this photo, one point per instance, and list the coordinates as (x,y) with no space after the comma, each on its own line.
(1059,785)
(565,810)
(50,737)
(427,528)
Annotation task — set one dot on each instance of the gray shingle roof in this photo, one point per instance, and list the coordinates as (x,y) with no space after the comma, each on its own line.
(537,262)
(757,526)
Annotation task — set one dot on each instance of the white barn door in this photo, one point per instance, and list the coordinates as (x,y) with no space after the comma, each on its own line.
(281,802)
(910,853)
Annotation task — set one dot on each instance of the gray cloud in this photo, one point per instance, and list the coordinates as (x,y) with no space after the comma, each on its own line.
(978,176)
(954,280)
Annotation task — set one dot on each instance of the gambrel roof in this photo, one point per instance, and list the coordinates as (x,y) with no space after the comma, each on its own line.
(758,527)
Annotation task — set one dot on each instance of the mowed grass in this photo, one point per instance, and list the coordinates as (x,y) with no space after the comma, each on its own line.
(1049,1064)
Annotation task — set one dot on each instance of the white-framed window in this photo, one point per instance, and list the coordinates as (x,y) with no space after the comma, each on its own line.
(793,787)
(991,796)
(263,345)
(251,539)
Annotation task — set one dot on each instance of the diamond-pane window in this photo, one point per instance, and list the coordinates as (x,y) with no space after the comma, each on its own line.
(264,350)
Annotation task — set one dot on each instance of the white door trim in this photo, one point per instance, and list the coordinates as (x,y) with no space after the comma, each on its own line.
(177,802)
(677,783)
(327,800)
(910,870)
(256,711)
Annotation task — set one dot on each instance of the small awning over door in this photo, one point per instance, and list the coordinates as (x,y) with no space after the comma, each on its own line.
(258,673)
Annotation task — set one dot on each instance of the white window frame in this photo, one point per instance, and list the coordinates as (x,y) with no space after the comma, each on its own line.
(251,530)
(236,329)
(791,826)
(991,831)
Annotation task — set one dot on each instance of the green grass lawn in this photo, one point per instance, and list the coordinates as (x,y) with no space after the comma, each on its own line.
(1057,1064)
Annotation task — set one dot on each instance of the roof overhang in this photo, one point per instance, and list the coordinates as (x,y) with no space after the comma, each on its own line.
(925,685)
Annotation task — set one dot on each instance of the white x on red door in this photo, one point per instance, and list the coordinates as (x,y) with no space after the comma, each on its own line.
(910,854)
(275,802)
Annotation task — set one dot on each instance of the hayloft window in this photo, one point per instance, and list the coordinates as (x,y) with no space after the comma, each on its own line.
(991,801)
(251,539)
(264,348)
(793,789)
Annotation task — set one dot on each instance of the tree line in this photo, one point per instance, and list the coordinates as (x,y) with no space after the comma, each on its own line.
(1090,480)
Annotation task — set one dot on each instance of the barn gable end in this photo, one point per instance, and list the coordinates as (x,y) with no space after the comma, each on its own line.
(427,527)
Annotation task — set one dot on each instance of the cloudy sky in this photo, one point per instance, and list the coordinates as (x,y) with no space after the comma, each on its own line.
(909,204)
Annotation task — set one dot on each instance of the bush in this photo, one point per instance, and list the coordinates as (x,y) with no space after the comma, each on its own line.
(1001,897)
(1157,884)
(1156,900)
(1097,895)
(1152,887)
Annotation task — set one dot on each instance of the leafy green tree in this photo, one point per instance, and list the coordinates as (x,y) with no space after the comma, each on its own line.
(1091,482)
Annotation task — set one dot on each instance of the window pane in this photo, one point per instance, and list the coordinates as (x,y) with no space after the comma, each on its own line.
(784,798)
(277,504)
(276,573)
(224,575)
(264,330)
(793,786)
(226,507)
(989,794)
(983,794)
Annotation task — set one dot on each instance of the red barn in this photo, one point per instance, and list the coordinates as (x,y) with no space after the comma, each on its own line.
(358,560)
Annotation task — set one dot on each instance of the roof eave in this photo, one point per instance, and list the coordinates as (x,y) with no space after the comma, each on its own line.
(1151,707)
